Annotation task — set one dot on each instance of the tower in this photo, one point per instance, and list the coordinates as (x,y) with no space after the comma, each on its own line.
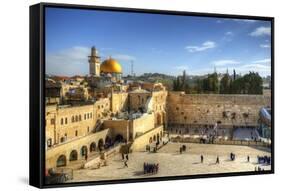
(94,62)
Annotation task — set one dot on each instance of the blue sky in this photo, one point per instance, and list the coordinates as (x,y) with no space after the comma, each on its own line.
(155,43)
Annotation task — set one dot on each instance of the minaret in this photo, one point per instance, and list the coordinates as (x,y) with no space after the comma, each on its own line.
(94,62)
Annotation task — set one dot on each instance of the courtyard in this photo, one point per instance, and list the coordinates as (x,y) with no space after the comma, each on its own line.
(173,163)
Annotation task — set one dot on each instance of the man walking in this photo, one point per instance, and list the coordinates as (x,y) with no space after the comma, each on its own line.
(218,160)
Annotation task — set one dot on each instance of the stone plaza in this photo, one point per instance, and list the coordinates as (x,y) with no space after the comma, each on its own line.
(172,163)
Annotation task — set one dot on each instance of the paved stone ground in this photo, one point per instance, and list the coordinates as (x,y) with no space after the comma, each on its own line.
(172,163)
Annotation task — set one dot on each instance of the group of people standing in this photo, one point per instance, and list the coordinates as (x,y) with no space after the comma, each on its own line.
(150,168)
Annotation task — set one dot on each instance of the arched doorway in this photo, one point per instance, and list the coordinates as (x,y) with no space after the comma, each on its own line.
(150,140)
(61,161)
(93,147)
(158,138)
(84,151)
(119,138)
(154,138)
(108,142)
(73,155)
(100,144)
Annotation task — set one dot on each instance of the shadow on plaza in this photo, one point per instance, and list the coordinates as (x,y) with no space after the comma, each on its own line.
(265,149)
(140,173)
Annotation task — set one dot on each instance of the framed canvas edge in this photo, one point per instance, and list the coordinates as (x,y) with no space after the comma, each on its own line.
(37,93)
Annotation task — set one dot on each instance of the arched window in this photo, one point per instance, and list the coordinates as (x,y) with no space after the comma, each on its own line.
(61,121)
(84,150)
(65,120)
(73,155)
(80,118)
(49,142)
(93,147)
(61,161)
(100,144)
(76,118)
(72,119)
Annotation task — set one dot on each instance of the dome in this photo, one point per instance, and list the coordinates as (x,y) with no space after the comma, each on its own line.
(110,66)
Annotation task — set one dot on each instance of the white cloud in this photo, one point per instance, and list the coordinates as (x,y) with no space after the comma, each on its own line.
(204,46)
(245,20)
(265,45)
(224,62)
(263,61)
(229,33)
(69,62)
(261,31)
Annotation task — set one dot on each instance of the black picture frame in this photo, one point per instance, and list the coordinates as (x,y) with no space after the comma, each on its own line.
(37,92)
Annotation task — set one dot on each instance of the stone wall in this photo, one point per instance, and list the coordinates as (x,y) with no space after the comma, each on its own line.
(119,102)
(208,109)
(117,127)
(66,148)
(142,125)
(142,141)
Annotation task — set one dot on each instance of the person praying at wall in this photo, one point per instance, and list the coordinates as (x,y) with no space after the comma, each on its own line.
(202,159)
(248,158)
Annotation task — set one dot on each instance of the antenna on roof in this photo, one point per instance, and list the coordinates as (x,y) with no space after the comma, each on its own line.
(132,67)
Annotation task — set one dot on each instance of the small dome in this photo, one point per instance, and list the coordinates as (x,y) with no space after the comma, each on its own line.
(110,66)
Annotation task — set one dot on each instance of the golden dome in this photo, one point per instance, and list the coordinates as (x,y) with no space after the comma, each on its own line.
(110,66)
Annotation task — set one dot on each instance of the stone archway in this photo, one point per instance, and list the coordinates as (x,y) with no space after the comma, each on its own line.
(61,161)
(158,138)
(154,138)
(84,150)
(100,144)
(73,155)
(119,138)
(93,147)
(108,142)
(150,140)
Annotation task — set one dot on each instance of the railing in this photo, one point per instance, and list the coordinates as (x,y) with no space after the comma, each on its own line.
(220,141)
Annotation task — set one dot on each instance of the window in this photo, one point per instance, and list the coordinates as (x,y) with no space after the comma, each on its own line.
(52,121)
(49,142)
(85,117)
(65,121)
(76,133)
(98,107)
(88,115)
(80,118)
(76,118)
(62,139)
(88,129)
(91,115)
(61,121)
(72,119)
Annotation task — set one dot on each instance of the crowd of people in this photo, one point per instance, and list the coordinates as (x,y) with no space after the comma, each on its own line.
(264,159)
(149,168)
